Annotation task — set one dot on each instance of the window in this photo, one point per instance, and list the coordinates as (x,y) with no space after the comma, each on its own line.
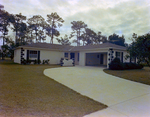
(97,56)
(118,55)
(66,54)
(33,54)
(72,55)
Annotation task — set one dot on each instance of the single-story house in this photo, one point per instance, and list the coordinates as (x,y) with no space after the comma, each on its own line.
(90,55)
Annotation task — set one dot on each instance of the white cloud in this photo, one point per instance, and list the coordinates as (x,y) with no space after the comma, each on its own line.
(108,16)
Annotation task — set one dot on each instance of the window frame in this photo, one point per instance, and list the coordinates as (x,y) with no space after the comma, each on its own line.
(33,54)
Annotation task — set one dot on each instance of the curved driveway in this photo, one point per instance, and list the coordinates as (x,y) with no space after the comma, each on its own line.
(124,98)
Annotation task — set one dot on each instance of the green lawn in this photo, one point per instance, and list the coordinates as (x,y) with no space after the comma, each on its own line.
(25,91)
(137,75)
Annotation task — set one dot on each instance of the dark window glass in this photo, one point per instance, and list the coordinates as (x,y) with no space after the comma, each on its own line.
(66,54)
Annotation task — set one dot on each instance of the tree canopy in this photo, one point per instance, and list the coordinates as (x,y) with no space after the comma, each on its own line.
(77,27)
(19,27)
(36,25)
(54,21)
(64,41)
(36,29)
(5,20)
(140,48)
(116,39)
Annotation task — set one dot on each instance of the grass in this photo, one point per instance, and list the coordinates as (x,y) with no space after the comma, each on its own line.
(25,91)
(138,75)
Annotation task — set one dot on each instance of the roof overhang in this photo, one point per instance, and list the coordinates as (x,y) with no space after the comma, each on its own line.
(37,48)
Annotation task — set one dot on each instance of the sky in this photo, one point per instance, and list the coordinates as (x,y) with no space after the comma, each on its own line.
(123,17)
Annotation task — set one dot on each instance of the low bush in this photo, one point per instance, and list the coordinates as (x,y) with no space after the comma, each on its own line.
(24,62)
(35,61)
(28,61)
(39,61)
(132,66)
(46,61)
(117,65)
(144,64)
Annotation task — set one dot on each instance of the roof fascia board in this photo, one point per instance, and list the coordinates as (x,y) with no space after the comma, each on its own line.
(94,49)
(39,48)
(70,50)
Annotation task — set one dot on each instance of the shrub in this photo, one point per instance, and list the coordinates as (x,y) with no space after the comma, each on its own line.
(24,62)
(39,61)
(28,61)
(117,65)
(144,64)
(132,66)
(116,60)
(43,62)
(46,61)
(35,61)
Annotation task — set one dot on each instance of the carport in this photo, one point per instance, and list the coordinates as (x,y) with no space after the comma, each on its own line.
(96,59)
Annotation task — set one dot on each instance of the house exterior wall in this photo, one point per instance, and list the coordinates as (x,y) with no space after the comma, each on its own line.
(25,54)
(105,59)
(17,56)
(82,59)
(76,58)
(53,56)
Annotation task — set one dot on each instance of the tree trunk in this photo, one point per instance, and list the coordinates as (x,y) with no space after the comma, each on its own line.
(16,37)
(52,32)
(78,38)
(52,38)
(3,58)
(36,36)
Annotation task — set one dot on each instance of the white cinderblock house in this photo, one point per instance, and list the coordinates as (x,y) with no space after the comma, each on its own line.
(90,55)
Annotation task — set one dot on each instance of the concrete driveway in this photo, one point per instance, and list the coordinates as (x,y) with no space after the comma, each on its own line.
(124,98)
